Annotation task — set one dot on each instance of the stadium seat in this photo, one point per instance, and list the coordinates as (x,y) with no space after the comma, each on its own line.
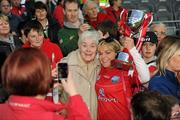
(146,5)
(164,10)
(129,4)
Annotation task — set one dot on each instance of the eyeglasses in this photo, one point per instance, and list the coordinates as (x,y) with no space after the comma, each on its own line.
(160,33)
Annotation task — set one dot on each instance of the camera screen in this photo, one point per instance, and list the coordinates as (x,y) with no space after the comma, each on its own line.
(62,70)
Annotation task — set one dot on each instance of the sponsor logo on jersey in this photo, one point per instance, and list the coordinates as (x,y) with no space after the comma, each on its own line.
(115,79)
(102,97)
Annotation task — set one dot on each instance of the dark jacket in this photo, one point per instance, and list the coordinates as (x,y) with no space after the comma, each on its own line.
(53,29)
(165,84)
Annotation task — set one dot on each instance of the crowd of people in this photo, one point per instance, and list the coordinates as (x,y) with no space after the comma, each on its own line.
(108,77)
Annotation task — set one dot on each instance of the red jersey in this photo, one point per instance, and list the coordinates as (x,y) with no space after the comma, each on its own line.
(58,14)
(113,93)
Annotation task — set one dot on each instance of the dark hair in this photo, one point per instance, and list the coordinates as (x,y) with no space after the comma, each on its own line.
(111,2)
(21,27)
(150,106)
(40,5)
(32,25)
(110,27)
(70,1)
(9,1)
(26,72)
(59,2)
(171,100)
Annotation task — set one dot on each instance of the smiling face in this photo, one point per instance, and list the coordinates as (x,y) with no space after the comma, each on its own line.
(92,11)
(88,50)
(106,55)
(4,27)
(35,38)
(40,14)
(71,12)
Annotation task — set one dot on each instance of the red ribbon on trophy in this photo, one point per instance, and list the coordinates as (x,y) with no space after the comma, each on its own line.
(134,23)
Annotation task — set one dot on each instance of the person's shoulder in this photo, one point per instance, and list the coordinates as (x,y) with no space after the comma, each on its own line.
(64,29)
(52,22)
(66,32)
(16,17)
(108,9)
(73,54)
(71,58)
(156,79)
(102,14)
(47,42)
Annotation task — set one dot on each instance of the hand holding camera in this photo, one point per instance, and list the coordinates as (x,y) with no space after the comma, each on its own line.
(69,85)
(65,77)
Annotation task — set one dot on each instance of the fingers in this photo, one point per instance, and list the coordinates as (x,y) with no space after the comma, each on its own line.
(84,27)
(69,85)
(128,43)
(54,72)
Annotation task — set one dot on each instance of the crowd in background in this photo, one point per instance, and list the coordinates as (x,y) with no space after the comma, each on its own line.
(109,78)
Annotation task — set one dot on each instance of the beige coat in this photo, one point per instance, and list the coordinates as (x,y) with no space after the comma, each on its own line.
(84,76)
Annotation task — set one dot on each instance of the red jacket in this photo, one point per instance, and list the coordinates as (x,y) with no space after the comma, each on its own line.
(100,18)
(30,108)
(114,90)
(58,14)
(18,10)
(115,15)
(49,49)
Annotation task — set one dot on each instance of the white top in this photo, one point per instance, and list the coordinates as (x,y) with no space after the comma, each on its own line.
(141,66)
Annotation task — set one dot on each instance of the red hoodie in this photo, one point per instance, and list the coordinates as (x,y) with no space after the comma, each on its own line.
(50,49)
(30,108)
(100,18)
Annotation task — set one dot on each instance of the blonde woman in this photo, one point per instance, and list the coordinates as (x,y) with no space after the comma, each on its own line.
(114,87)
(6,38)
(168,67)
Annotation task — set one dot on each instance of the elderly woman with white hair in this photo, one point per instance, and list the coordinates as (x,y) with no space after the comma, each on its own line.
(160,29)
(85,67)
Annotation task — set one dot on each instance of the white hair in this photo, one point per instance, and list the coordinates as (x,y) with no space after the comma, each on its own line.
(91,34)
(89,2)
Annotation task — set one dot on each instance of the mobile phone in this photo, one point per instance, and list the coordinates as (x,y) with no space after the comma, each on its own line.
(62,71)
(122,56)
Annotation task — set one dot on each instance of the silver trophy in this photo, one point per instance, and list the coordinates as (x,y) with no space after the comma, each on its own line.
(135,19)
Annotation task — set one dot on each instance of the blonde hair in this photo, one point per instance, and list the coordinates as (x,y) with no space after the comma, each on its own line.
(86,5)
(111,44)
(4,18)
(170,49)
